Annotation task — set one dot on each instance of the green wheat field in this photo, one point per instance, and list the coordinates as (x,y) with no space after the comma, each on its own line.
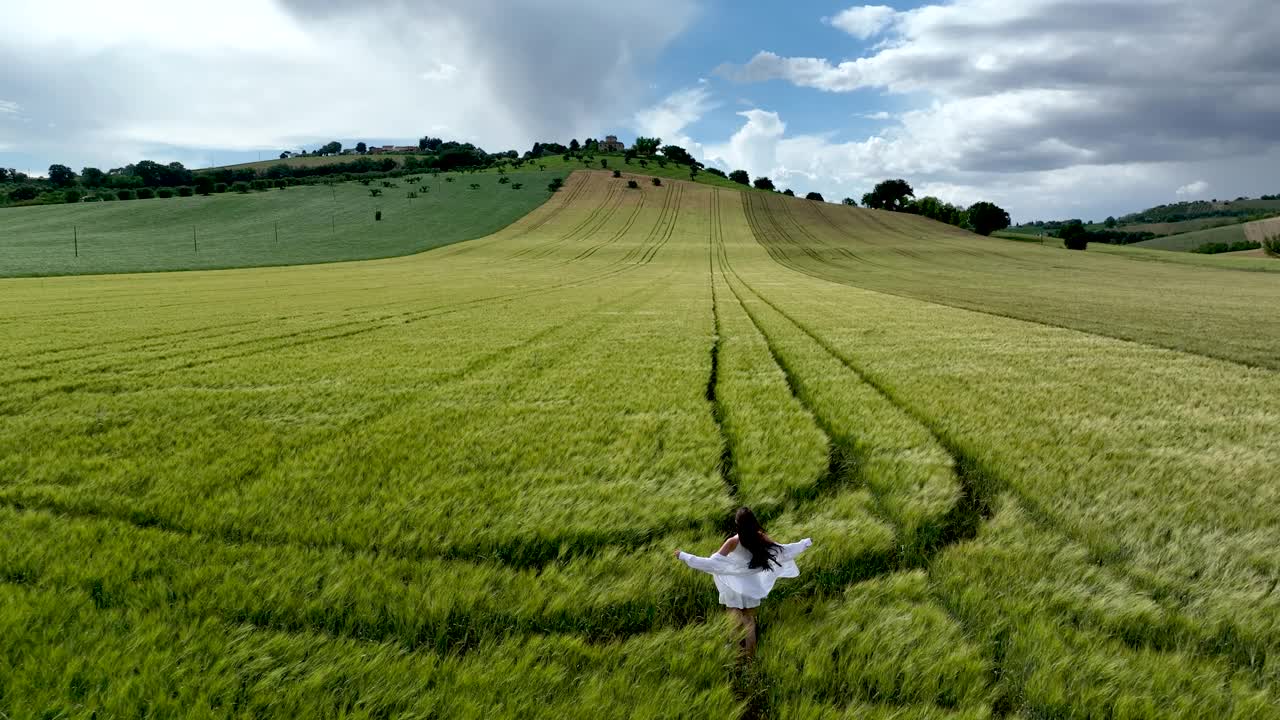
(1040,483)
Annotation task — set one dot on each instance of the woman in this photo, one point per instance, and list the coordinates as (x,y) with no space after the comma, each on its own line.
(745,568)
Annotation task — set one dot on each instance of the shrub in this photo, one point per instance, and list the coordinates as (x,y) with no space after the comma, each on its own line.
(517,186)
(124,194)
(617,173)
(657,182)
(715,171)
(377,215)
(204,184)
(740,177)
(604,163)
(261,185)
(219,187)
(106,196)
(23,193)
(1213,248)
(789,192)
(186,191)
(282,184)
(763,183)
(165,193)
(448,179)
(240,186)
(633,184)
(412,195)
(504,180)
(474,186)
(365,181)
(375,192)
(1272,245)
(72,196)
(145,193)
(92,198)
(814,196)
(555,184)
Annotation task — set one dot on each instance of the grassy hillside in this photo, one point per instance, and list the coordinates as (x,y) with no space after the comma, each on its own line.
(301,224)
(308,161)
(1186,242)
(450,484)
(910,256)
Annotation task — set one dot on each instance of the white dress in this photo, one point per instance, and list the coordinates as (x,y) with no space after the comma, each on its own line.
(743,587)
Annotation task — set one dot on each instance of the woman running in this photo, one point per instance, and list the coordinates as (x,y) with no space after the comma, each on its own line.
(745,568)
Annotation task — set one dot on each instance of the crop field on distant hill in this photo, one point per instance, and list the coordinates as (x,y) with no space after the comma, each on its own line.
(1040,483)
(299,224)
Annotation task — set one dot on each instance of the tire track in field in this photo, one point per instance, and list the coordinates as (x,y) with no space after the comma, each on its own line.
(671,227)
(454,634)
(516,555)
(282,341)
(663,216)
(980,488)
(598,219)
(622,231)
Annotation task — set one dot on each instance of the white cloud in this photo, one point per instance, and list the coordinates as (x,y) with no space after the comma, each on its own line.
(670,118)
(1192,188)
(864,21)
(292,72)
(881,115)
(8,107)
(440,73)
(1013,94)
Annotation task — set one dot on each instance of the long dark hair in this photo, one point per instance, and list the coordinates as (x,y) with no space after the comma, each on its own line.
(751,537)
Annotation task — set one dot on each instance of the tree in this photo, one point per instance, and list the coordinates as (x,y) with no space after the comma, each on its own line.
(1074,236)
(604,163)
(362,148)
(740,176)
(679,155)
(647,145)
(284,155)
(61,176)
(555,184)
(657,182)
(987,217)
(22,193)
(814,196)
(90,176)
(763,183)
(330,148)
(204,184)
(850,202)
(789,192)
(432,144)
(1110,222)
(889,195)
(574,146)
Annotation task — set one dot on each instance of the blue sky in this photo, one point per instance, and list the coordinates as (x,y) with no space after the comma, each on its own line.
(1051,108)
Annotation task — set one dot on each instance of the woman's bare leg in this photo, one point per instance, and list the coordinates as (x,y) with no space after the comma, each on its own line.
(749,625)
(745,619)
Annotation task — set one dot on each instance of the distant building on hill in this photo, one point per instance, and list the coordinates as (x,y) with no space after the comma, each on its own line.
(611,144)
(393,149)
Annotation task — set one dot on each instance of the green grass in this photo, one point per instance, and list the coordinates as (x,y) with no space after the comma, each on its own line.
(308,161)
(449,484)
(300,224)
(1187,242)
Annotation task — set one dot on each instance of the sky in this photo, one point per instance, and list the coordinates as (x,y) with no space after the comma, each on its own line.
(1049,108)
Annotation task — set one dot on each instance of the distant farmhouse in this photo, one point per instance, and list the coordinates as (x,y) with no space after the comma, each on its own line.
(611,144)
(393,149)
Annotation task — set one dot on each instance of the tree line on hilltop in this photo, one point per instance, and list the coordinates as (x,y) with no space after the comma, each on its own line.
(147,178)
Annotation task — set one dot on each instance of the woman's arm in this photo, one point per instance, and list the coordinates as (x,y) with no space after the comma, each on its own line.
(789,551)
(713,563)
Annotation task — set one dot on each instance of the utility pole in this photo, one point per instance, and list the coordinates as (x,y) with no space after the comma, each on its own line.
(75,239)
(194,245)
(277,231)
